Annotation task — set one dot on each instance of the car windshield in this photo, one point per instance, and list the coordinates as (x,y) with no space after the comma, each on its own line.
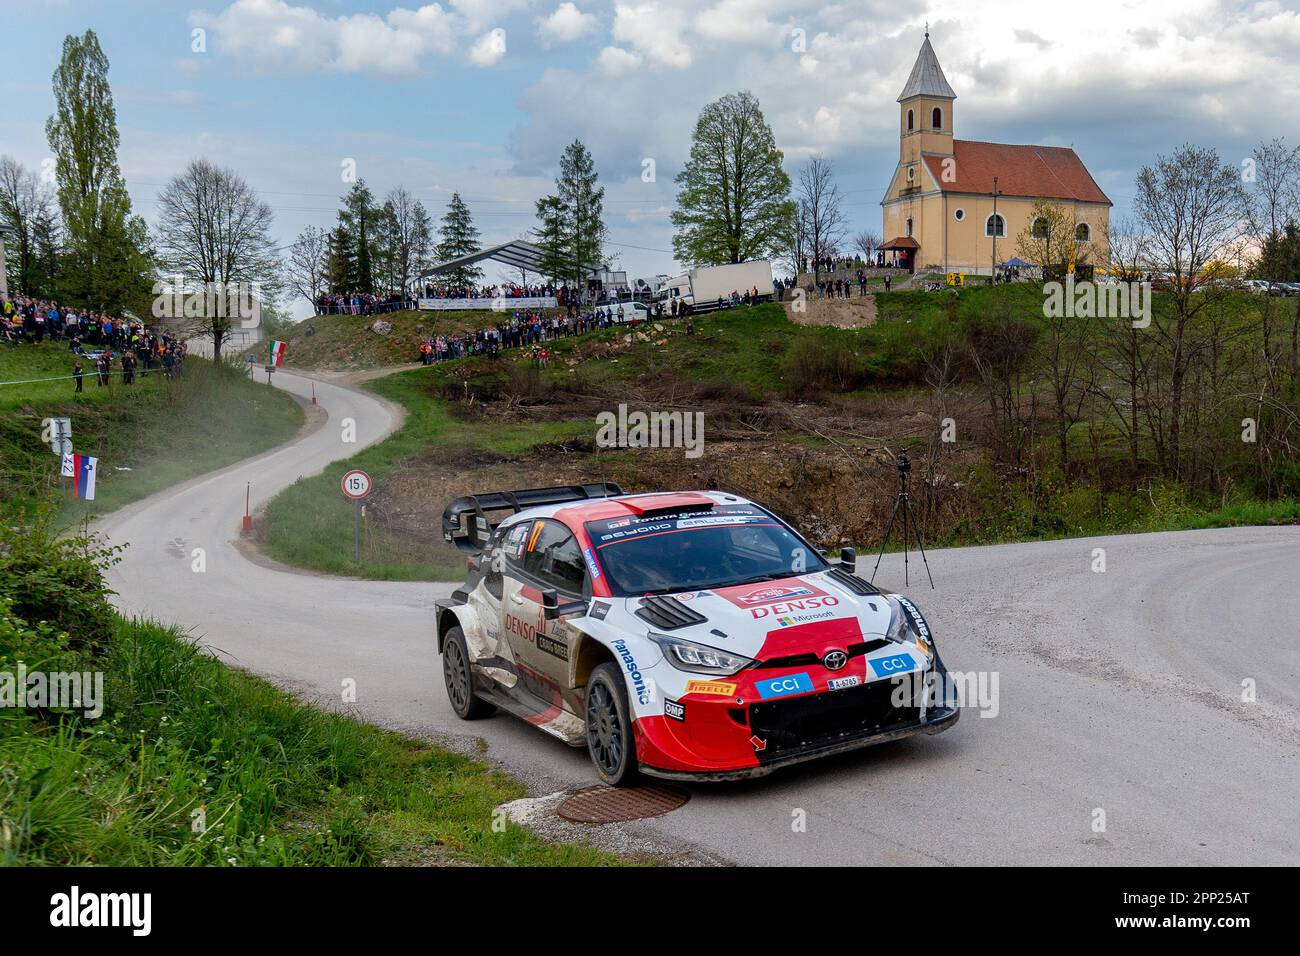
(717,547)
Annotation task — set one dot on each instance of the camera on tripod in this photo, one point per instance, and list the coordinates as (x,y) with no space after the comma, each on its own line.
(911,530)
(903,465)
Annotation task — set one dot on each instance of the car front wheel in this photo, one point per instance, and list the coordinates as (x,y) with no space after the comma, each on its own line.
(460,683)
(609,727)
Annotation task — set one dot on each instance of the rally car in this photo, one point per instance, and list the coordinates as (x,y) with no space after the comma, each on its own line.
(688,635)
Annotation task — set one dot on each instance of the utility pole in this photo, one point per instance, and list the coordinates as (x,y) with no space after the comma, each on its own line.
(5,233)
(993,266)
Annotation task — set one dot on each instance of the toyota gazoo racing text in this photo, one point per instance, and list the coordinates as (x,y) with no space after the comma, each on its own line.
(685,635)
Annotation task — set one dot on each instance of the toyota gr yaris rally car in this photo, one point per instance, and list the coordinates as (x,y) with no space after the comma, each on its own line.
(685,635)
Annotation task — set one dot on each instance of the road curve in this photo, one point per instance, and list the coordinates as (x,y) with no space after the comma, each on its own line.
(1120,734)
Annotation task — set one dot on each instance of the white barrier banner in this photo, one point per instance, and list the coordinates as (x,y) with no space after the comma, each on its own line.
(500,304)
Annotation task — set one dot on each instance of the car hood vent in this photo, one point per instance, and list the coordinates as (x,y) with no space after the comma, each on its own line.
(668,613)
(851,581)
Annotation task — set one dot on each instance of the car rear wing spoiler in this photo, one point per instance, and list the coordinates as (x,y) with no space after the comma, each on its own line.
(465,522)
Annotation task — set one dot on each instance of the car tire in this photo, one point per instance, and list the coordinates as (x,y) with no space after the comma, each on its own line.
(608,719)
(460,682)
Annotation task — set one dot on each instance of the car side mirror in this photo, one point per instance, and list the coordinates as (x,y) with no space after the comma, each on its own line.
(849,560)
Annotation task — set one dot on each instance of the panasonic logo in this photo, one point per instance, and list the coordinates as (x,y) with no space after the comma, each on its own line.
(629,662)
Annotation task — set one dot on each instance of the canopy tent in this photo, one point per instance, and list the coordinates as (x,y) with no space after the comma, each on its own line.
(516,253)
(1016,262)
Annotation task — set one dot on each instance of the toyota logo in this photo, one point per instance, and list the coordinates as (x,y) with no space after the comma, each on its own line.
(834,660)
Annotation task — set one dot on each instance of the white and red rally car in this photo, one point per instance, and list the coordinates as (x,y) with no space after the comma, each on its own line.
(688,635)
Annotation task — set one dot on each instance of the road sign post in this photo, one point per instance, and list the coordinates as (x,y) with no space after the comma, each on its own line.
(356,485)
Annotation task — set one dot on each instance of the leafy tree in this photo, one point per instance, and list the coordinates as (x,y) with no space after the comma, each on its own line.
(458,237)
(107,259)
(405,238)
(734,202)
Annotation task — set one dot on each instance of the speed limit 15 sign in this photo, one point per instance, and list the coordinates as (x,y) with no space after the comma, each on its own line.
(356,484)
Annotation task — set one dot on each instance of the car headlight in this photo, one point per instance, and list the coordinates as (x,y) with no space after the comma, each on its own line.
(902,630)
(700,658)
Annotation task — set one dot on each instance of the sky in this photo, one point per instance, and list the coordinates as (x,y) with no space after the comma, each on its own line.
(481,96)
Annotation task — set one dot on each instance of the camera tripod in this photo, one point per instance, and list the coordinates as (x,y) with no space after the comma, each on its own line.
(903,503)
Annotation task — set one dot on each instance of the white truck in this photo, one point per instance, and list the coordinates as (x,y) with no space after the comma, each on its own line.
(702,288)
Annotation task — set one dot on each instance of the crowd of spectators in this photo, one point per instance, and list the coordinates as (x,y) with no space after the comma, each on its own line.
(92,337)
(359,303)
(503,290)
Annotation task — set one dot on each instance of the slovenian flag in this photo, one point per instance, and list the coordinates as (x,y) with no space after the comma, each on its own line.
(277,352)
(82,468)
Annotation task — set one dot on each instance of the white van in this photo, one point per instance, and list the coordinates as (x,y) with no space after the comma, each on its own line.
(631,310)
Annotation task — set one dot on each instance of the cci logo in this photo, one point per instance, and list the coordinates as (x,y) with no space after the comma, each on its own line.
(783,686)
(885,666)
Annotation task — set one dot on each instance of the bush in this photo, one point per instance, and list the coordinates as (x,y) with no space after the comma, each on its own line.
(45,579)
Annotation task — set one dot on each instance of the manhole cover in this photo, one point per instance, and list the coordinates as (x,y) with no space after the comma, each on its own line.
(617,804)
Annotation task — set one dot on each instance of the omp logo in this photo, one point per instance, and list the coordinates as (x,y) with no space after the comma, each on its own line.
(768,595)
(629,662)
(73,909)
(788,609)
(674,709)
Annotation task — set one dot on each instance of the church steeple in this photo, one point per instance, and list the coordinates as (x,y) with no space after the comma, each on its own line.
(927,77)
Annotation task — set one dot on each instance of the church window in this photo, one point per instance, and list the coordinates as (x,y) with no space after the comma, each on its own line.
(959,215)
(909,226)
(1041,228)
(995,226)
(911,121)
(936,118)
(1082,232)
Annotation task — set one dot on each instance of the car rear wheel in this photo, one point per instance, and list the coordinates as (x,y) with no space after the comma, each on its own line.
(460,683)
(609,727)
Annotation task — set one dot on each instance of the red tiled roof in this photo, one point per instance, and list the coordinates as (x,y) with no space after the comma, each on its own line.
(902,242)
(1049,172)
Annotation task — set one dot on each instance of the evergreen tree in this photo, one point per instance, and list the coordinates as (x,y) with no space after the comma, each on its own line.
(107,260)
(458,237)
(549,236)
(359,218)
(572,230)
(339,261)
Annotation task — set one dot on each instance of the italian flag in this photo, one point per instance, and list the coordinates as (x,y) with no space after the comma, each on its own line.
(277,352)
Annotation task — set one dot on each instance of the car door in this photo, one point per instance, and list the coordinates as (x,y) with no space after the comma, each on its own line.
(550,558)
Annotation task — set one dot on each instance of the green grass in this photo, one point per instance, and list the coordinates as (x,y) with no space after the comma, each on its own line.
(196,764)
(347,341)
(147,437)
(747,357)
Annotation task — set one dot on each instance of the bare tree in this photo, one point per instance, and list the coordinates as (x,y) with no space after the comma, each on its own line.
(1192,208)
(214,233)
(867,242)
(406,235)
(307,268)
(30,208)
(1275,195)
(823,217)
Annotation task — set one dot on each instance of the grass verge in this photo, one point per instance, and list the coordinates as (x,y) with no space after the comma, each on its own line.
(191,763)
(147,436)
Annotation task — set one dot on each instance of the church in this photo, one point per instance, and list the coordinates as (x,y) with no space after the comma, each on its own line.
(957,205)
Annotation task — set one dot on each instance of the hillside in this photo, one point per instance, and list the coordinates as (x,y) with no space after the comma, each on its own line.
(806,419)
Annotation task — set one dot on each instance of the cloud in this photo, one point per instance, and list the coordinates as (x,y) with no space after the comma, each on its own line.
(654,30)
(615,60)
(565,24)
(489,48)
(277,35)
(478,14)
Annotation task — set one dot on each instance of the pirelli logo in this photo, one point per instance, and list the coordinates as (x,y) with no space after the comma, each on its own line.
(553,647)
(715,688)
